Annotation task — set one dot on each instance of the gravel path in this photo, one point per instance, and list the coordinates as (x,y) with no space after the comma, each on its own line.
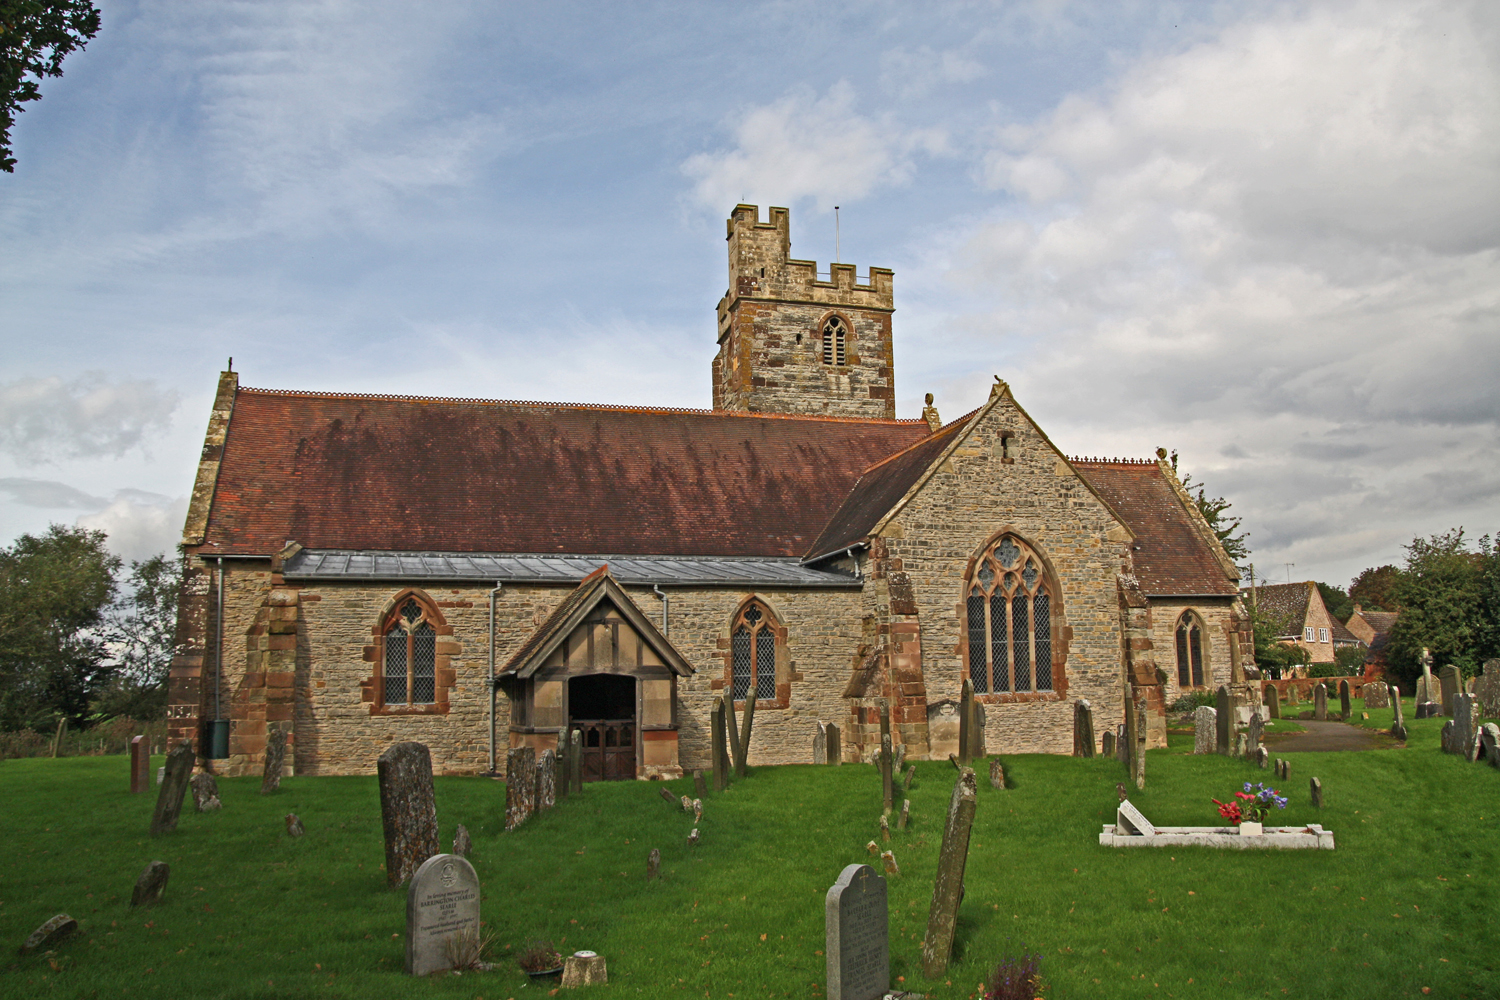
(1323,736)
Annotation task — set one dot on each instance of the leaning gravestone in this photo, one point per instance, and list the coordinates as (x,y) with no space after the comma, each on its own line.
(151,884)
(1315,789)
(858,945)
(205,792)
(50,933)
(1345,712)
(1273,702)
(820,745)
(1450,683)
(408,810)
(1398,723)
(1377,695)
(140,764)
(275,755)
(520,786)
(546,781)
(1205,729)
(948,887)
(1083,728)
(173,788)
(1224,721)
(442,910)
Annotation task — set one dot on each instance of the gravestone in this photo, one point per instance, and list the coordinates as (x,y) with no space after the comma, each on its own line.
(1083,728)
(1107,748)
(1272,702)
(1428,693)
(885,829)
(1223,721)
(1130,821)
(1205,729)
(173,787)
(820,745)
(653,864)
(942,729)
(1262,757)
(891,868)
(50,934)
(575,760)
(546,781)
(462,844)
(1138,758)
(1254,734)
(905,814)
(700,787)
(718,749)
(732,733)
(857,944)
(584,968)
(520,786)
(205,792)
(442,910)
(898,761)
(948,887)
(693,838)
(1127,751)
(562,780)
(1241,745)
(965,722)
(1450,683)
(1286,770)
(1315,787)
(1445,738)
(997,775)
(1398,723)
(1464,725)
(294,826)
(1292,698)
(140,764)
(1377,695)
(746,730)
(1122,743)
(151,884)
(911,772)
(887,784)
(270,779)
(408,809)
(1487,689)
(1320,702)
(835,745)
(687,804)
(697,810)
(1345,712)
(1489,744)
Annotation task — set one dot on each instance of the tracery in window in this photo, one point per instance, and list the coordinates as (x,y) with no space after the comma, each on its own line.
(835,337)
(410,662)
(1009,621)
(1189,651)
(753,654)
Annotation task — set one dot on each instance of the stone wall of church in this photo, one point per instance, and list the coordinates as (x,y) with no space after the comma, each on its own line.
(975,495)
(1218,617)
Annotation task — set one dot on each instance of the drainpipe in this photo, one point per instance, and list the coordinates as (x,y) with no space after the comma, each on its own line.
(493,595)
(666,607)
(219,644)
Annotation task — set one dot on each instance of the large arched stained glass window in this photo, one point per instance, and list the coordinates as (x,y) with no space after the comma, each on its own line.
(1190,642)
(753,654)
(1009,621)
(410,657)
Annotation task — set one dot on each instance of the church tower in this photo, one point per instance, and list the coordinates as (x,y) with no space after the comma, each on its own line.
(792,343)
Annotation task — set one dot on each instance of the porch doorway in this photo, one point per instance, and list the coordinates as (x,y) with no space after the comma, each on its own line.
(603,707)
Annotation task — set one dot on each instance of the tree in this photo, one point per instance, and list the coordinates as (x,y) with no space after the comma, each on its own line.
(53,592)
(1374,588)
(1336,601)
(35,35)
(1450,604)
(141,631)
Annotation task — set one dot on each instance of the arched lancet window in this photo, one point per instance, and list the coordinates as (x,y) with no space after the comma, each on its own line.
(835,337)
(753,654)
(410,674)
(1190,639)
(1009,626)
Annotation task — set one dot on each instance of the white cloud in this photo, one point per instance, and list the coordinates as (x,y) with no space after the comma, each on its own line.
(47,419)
(140,525)
(48,493)
(806,146)
(914,72)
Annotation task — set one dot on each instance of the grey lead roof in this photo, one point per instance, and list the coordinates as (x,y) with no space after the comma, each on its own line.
(696,571)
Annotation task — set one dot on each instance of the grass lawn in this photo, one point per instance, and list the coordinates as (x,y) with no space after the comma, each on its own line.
(1409,900)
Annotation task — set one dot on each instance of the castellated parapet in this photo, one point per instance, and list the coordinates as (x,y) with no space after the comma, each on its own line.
(772,321)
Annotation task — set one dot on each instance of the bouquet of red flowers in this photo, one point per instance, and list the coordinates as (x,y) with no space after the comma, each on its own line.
(1253,806)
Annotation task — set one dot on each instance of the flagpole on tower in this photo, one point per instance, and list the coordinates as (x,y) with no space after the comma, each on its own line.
(836,258)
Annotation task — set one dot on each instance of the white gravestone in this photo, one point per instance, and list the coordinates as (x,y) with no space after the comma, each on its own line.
(1128,820)
(858,946)
(442,902)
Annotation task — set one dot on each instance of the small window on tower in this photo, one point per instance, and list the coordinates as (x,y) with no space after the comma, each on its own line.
(835,336)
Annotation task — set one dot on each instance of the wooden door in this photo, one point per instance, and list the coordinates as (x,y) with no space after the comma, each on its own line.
(608,749)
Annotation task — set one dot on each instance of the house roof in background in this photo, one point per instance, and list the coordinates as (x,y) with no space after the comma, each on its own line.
(1283,604)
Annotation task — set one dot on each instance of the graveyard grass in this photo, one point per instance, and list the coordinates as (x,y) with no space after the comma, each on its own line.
(1410,898)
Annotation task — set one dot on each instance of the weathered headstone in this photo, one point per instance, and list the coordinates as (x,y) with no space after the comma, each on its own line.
(140,764)
(205,792)
(275,755)
(1315,788)
(520,786)
(584,968)
(885,829)
(905,814)
(948,887)
(1241,745)
(697,810)
(50,934)
(1450,683)
(732,735)
(173,788)
(1487,689)
(700,786)
(1489,744)
(667,796)
(693,838)
(462,844)
(1083,728)
(1286,770)
(1262,757)
(747,729)
(997,775)
(408,809)
(1223,721)
(1377,695)
(653,864)
(1345,711)
(564,776)
(1445,738)
(887,784)
(965,722)
(898,758)
(820,745)
(1254,734)
(1205,729)
(1464,725)
(1107,747)
(888,858)
(857,946)
(546,781)
(1273,702)
(1320,702)
(718,749)
(1128,751)
(1122,741)
(911,772)
(835,745)
(1138,757)
(151,884)
(575,760)
(1398,723)
(442,910)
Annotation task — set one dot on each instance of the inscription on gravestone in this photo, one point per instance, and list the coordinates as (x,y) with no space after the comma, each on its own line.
(858,946)
(1377,695)
(442,906)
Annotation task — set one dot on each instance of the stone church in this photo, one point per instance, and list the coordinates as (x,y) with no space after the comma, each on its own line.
(484,574)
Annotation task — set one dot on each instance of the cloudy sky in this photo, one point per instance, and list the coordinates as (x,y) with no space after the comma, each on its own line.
(1264,235)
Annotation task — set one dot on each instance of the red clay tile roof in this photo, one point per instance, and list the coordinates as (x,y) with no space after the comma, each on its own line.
(1380,621)
(1284,605)
(389,473)
(879,489)
(1172,559)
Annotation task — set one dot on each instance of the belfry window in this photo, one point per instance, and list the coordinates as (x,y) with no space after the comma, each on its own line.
(410,675)
(1009,621)
(1189,651)
(835,337)
(753,654)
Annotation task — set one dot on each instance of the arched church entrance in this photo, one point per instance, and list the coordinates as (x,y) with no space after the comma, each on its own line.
(603,707)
